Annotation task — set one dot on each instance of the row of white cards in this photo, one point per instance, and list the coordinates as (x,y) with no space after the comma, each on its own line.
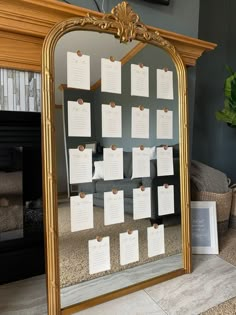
(78,76)
(112,166)
(79,121)
(82,207)
(99,249)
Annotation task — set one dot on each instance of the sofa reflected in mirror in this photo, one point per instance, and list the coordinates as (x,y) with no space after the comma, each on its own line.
(99,186)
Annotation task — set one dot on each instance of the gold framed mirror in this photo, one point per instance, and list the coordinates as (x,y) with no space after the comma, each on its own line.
(141,46)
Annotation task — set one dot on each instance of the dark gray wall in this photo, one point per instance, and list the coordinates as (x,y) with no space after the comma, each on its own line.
(214,141)
(60,153)
(180,16)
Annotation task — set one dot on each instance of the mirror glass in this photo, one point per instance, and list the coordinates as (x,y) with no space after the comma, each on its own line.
(77,282)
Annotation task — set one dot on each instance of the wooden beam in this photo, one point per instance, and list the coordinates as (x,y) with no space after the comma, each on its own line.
(25,23)
(20,52)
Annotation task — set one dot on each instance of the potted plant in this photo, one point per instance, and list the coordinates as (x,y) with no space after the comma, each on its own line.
(228,113)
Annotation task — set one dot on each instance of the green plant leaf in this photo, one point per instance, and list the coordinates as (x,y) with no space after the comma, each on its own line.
(220,115)
(228,113)
(233,91)
(227,86)
(227,104)
(229,69)
(234,121)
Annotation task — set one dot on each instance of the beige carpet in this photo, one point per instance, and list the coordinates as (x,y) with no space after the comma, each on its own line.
(228,253)
(73,247)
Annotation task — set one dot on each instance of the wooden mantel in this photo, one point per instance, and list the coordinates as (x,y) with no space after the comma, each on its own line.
(25,23)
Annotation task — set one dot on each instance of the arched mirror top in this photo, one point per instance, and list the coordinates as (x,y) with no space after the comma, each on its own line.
(122,22)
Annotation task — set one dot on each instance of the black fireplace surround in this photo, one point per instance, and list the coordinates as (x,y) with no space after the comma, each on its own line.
(20,150)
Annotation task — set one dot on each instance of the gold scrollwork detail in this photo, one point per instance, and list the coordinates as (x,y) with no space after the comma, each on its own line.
(125,23)
(162,42)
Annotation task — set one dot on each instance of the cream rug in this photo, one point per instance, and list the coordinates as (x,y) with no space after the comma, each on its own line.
(73,247)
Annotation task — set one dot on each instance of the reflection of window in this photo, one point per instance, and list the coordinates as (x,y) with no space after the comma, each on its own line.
(11,193)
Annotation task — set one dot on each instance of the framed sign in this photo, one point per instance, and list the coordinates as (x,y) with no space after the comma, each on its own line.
(204,227)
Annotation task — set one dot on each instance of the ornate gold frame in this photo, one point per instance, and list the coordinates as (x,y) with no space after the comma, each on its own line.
(124,24)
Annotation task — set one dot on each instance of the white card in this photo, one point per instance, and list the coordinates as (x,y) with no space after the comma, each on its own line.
(165,165)
(80,166)
(140,123)
(81,212)
(99,255)
(164,124)
(139,80)
(165,84)
(111,121)
(79,119)
(141,203)
(165,200)
(113,163)
(111,76)
(78,71)
(129,247)
(156,240)
(113,207)
(140,162)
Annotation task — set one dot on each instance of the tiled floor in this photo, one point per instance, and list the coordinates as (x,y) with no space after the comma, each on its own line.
(212,282)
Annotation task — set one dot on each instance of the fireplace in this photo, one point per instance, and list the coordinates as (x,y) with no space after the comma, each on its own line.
(11,193)
(21,211)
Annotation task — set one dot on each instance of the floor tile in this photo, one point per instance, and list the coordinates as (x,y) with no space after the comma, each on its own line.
(25,297)
(213,281)
(138,303)
(154,269)
(89,289)
(93,288)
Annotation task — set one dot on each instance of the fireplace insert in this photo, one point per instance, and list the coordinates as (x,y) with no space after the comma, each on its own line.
(21,211)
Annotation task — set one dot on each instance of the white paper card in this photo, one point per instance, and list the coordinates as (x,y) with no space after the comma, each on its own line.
(129,247)
(139,80)
(78,71)
(164,124)
(140,123)
(99,255)
(111,76)
(113,163)
(165,200)
(81,213)
(79,119)
(140,162)
(156,240)
(141,203)
(165,161)
(80,166)
(113,207)
(165,84)
(111,121)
